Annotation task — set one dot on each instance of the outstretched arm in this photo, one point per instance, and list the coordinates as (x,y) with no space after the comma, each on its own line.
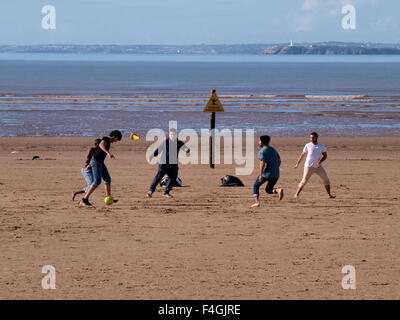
(155,153)
(159,150)
(300,158)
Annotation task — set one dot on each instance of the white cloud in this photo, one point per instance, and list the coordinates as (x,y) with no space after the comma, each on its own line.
(300,22)
(312,10)
(387,23)
(309,4)
(305,23)
(323,4)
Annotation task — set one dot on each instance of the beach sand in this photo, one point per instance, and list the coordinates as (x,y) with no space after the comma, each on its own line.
(206,242)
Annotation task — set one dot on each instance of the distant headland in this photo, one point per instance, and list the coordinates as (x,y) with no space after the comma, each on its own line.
(322,48)
(331,49)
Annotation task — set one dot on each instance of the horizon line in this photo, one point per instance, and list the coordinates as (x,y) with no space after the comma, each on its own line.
(203,44)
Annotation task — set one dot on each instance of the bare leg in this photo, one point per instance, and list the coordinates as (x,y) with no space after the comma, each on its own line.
(308,172)
(298,192)
(257,202)
(280,193)
(90,191)
(75,193)
(328,191)
(85,201)
(108,189)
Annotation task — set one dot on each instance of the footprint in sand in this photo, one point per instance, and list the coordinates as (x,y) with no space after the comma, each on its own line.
(169,211)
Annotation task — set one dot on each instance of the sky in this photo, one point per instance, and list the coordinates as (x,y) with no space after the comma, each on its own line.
(190,22)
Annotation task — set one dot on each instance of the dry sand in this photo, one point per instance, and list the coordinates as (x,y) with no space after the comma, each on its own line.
(206,243)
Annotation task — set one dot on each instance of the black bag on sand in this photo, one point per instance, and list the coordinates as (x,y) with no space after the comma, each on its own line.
(231,181)
(164,181)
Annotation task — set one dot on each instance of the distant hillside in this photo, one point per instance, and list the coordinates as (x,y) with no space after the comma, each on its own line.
(322,48)
(331,50)
(138,49)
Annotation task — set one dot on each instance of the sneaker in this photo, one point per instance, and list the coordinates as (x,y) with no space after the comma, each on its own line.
(167,195)
(85,203)
(149,194)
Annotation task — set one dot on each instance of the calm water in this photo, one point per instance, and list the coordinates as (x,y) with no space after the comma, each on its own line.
(75,95)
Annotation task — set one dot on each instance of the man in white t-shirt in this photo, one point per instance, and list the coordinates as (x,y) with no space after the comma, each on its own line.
(316,154)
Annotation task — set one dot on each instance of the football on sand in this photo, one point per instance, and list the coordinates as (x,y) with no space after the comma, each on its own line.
(108,200)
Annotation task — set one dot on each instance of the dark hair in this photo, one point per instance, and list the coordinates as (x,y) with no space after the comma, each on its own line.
(173,130)
(116,134)
(265,140)
(91,151)
(314,134)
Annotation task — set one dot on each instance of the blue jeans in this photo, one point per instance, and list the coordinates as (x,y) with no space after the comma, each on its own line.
(88,175)
(165,169)
(99,170)
(269,188)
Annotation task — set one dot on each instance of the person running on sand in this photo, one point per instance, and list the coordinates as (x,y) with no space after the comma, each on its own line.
(168,163)
(87,170)
(270,162)
(99,169)
(316,154)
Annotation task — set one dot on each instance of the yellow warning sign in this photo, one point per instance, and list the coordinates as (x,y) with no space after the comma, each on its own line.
(214,105)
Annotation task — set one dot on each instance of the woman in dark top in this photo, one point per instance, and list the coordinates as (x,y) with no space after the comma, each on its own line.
(99,169)
(87,170)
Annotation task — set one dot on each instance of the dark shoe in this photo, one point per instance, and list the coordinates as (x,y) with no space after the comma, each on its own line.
(149,194)
(85,203)
(167,195)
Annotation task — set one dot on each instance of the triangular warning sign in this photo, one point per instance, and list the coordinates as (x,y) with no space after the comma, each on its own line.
(214,105)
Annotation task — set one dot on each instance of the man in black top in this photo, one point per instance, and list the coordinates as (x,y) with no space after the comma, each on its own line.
(169,150)
(99,169)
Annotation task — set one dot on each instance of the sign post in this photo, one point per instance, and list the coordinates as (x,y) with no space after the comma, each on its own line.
(212,139)
(213,106)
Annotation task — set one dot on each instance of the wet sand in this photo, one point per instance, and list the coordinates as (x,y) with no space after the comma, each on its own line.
(206,242)
(282,114)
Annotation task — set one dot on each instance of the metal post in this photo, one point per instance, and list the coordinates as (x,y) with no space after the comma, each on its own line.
(212,139)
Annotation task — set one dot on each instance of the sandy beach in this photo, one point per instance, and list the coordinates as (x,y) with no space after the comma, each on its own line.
(206,242)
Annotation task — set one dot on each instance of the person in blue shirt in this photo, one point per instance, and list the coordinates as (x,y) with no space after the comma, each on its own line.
(270,162)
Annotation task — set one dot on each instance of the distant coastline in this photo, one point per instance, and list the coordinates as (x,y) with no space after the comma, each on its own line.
(331,50)
(324,48)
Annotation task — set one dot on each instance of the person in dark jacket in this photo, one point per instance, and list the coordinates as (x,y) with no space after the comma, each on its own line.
(169,150)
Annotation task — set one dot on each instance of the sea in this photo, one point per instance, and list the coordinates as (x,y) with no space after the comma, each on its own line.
(89,95)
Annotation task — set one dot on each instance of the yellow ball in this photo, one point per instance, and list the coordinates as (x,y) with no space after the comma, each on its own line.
(108,200)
